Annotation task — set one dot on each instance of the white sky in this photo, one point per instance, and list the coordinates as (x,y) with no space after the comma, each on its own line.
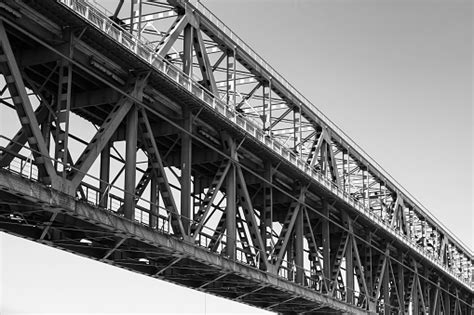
(395,75)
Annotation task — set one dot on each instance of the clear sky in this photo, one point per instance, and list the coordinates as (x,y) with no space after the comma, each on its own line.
(395,75)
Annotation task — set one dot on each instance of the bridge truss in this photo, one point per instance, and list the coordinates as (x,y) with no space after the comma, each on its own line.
(156,140)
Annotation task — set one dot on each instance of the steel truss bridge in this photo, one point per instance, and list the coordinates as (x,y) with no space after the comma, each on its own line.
(154,139)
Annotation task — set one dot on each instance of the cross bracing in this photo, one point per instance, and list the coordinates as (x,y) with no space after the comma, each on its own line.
(195,136)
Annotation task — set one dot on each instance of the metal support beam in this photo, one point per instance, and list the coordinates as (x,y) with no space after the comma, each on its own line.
(130,163)
(385,287)
(172,35)
(247,207)
(204,63)
(231,210)
(9,68)
(349,269)
(326,235)
(186,163)
(104,175)
(63,109)
(299,262)
(21,137)
(188,50)
(154,201)
(266,216)
(103,135)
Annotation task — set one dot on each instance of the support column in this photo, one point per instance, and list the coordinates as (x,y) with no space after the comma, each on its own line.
(401,283)
(326,243)
(234,77)
(231,214)
(46,132)
(264,108)
(188,50)
(349,270)
(299,246)
(154,202)
(186,157)
(290,256)
(63,106)
(385,287)
(231,77)
(270,109)
(130,163)
(447,302)
(368,271)
(266,219)
(231,207)
(104,175)
(414,296)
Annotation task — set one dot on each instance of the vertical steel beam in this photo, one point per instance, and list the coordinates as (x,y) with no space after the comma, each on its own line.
(414,296)
(104,175)
(435,307)
(231,207)
(196,200)
(290,256)
(130,163)
(385,286)
(234,76)
(264,108)
(350,269)
(326,243)
(186,158)
(188,49)
(294,130)
(401,283)
(300,132)
(230,76)
(270,109)
(231,214)
(266,217)
(154,202)
(348,186)
(136,16)
(299,246)
(63,109)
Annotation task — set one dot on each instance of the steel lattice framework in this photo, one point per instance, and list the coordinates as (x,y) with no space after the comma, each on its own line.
(156,140)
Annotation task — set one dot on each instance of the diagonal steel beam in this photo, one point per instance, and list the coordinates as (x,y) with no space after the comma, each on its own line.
(246,98)
(249,213)
(282,116)
(204,63)
(359,264)
(332,163)
(103,135)
(159,170)
(113,249)
(286,232)
(20,138)
(316,148)
(209,198)
(9,68)
(172,35)
(383,269)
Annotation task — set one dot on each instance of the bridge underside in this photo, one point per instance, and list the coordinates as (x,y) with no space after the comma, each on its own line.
(48,217)
(122,154)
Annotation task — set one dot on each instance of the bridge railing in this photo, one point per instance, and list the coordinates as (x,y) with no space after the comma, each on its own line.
(103,23)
